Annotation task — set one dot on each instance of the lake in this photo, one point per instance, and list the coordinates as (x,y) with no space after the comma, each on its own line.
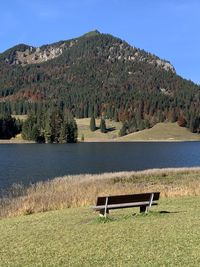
(29,163)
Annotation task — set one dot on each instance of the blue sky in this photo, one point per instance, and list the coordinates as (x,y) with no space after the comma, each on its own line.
(167,28)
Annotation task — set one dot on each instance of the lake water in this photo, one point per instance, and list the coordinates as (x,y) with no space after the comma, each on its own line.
(29,163)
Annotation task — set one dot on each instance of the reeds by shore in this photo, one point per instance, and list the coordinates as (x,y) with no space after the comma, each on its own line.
(82,190)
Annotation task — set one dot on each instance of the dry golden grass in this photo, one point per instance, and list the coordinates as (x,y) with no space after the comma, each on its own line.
(82,190)
(16,140)
(20,117)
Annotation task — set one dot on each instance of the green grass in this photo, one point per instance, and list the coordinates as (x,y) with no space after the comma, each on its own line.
(84,129)
(77,237)
(163,132)
(160,132)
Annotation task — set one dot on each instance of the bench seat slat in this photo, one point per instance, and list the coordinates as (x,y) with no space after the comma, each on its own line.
(127,198)
(124,205)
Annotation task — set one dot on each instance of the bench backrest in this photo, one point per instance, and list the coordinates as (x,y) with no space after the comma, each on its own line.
(122,199)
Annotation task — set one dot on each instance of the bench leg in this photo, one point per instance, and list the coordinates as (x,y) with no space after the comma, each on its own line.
(150,201)
(102,213)
(143,209)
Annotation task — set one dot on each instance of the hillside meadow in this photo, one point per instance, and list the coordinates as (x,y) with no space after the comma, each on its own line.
(84,130)
(166,131)
(52,224)
(167,236)
(160,132)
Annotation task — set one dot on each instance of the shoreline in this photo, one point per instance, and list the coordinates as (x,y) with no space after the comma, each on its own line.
(83,189)
(18,142)
(134,141)
(6,142)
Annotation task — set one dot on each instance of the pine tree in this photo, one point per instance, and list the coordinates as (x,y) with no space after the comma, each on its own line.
(103,126)
(56,120)
(92,124)
(63,134)
(71,132)
(71,128)
(47,130)
(35,133)
(29,128)
(123,130)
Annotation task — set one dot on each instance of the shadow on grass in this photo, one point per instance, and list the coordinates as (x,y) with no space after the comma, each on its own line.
(111,129)
(110,218)
(159,213)
(166,212)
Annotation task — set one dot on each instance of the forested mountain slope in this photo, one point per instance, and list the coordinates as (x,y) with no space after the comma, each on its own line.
(97,74)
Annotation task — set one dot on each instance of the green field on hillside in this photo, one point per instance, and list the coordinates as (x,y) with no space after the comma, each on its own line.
(84,130)
(160,132)
(163,132)
(167,236)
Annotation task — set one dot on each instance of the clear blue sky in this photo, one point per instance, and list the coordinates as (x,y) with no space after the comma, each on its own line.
(167,28)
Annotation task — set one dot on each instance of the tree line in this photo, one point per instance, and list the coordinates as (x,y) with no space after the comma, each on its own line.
(52,126)
(9,127)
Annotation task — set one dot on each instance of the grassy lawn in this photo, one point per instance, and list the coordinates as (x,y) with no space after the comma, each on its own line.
(164,132)
(77,237)
(84,129)
(160,132)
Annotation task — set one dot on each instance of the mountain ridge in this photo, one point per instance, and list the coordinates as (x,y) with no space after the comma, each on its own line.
(23,54)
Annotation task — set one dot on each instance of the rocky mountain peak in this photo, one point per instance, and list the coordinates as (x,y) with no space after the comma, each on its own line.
(114,50)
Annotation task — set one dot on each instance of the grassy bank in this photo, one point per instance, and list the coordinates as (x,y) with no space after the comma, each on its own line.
(82,190)
(16,140)
(168,236)
(160,132)
(163,132)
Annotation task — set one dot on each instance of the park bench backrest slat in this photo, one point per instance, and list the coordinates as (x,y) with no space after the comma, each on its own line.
(122,199)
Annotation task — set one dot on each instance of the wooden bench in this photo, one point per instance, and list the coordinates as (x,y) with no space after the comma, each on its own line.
(143,200)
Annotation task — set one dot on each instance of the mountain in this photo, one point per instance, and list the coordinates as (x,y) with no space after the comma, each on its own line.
(97,74)
(23,54)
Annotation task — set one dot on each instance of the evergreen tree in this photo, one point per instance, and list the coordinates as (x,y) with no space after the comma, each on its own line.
(103,126)
(29,129)
(92,124)
(123,130)
(56,128)
(147,124)
(116,118)
(9,127)
(47,130)
(35,133)
(141,125)
(192,125)
(56,120)
(71,128)
(71,132)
